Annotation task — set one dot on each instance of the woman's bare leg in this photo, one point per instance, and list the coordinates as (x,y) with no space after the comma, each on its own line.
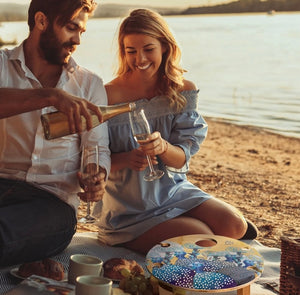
(211,217)
(178,226)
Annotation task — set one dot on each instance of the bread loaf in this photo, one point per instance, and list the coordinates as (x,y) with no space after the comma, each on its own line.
(48,268)
(113,267)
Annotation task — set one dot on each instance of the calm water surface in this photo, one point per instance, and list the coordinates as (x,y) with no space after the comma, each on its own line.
(247,66)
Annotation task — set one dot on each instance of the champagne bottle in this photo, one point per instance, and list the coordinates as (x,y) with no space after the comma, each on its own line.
(56,124)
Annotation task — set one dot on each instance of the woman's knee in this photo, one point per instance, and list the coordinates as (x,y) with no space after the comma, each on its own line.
(222,218)
(234,226)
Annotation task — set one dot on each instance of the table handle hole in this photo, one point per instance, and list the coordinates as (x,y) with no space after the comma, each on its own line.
(206,243)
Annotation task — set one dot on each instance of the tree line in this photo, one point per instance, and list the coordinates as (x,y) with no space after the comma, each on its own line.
(243,6)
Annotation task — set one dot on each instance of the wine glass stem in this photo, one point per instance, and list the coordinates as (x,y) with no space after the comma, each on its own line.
(88,208)
(150,165)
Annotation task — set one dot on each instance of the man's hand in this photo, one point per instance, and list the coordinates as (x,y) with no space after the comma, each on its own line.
(94,189)
(75,107)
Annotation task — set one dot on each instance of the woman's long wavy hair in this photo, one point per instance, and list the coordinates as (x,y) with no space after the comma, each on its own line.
(148,22)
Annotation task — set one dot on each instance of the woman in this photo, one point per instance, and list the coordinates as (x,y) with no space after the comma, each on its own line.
(136,213)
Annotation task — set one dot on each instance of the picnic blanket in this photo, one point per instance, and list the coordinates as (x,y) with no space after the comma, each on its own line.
(87,243)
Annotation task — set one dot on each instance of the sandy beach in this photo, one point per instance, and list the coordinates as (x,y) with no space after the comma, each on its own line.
(252,169)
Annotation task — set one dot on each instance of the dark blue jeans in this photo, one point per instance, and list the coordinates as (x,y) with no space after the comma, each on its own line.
(34,224)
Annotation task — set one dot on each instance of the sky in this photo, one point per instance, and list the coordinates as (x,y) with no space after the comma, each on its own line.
(178,3)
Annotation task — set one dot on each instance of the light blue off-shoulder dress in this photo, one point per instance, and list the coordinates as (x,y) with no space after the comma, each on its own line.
(132,205)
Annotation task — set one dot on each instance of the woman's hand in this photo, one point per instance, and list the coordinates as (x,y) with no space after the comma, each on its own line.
(171,155)
(154,145)
(137,160)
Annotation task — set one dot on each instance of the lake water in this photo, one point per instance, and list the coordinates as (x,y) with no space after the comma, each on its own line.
(247,66)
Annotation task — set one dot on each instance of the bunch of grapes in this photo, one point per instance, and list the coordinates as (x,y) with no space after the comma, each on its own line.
(138,284)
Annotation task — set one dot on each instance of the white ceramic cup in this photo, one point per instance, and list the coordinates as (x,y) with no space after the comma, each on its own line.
(81,264)
(93,285)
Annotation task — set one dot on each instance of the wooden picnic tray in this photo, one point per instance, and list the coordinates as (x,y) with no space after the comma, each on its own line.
(204,263)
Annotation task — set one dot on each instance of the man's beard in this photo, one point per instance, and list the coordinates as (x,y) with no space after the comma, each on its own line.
(52,48)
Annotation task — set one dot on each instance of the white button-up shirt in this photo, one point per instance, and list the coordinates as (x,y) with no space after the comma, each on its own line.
(24,152)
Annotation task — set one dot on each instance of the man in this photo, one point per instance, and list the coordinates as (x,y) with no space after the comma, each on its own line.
(38,178)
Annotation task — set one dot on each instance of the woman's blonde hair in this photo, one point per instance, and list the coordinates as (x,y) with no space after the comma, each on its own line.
(148,22)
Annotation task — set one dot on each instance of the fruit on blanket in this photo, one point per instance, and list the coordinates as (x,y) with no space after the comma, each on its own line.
(47,267)
(138,284)
(113,268)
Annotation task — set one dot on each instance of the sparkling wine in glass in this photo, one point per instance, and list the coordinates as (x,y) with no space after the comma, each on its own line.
(89,169)
(141,129)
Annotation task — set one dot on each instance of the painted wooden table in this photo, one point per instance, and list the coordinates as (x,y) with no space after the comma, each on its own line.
(193,264)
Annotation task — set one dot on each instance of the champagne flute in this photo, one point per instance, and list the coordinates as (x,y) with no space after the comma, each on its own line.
(141,129)
(89,169)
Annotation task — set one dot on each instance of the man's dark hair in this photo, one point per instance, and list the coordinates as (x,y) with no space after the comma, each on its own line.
(61,11)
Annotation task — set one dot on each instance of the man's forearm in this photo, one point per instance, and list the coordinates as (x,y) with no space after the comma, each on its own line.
(17,101)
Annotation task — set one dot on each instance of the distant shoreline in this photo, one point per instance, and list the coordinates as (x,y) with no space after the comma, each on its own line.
(241,6)
(3,42)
